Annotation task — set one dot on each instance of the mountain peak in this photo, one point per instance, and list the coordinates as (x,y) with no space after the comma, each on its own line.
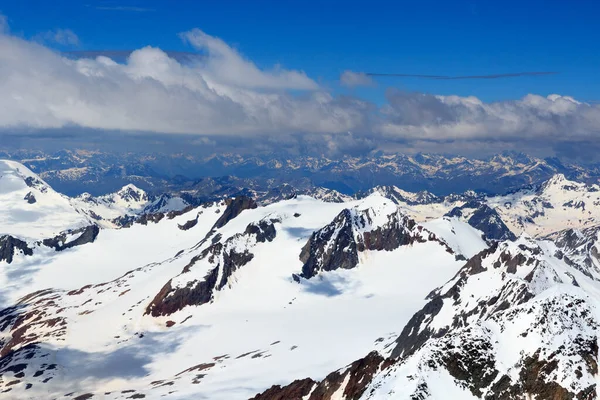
(131,193)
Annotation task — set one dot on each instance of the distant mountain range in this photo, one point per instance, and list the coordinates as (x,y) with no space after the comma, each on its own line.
(206,178)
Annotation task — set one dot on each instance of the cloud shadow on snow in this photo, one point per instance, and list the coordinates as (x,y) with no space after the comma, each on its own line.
(327,284)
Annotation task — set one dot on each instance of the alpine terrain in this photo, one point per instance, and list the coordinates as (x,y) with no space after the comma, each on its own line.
(301,293)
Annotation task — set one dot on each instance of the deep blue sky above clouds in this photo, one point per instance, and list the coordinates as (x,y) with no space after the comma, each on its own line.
(322,39)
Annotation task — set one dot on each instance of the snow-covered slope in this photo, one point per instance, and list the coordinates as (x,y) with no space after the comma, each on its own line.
(412,296)
(516,322)
(556,205)
(128,201)
(231,287)
(30,208)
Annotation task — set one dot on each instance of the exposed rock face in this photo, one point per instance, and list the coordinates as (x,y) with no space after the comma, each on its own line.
(131,193)
(332,247)
(419,329)
(224,258)
(486,219)
(399,196)
(234,208)
(351,381)
(297,390)
(26,323)
(580,249)
(460,334)
(154,217)
(8,246)
(189,224)
(507,302)
(36,183)
(30,198)
(336,246)
(86,235)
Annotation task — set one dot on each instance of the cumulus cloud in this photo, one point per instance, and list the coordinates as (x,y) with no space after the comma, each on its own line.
(225,65)
(353,79)
(424,116)
(64,37)
(223,94)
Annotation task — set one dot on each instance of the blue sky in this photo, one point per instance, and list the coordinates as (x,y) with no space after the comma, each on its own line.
(276,73)
(324,38)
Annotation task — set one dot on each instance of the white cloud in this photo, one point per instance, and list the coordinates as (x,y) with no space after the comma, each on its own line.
(424,116)
(353,79)
(224,93)
(225,65)
(152,92)
(65,37)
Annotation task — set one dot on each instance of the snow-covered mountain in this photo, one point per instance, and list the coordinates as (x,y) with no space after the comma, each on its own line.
(210,176)
(128,201)
(391,294)
(33,215)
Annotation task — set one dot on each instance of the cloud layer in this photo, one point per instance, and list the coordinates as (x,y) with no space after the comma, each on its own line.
(64,37)
(225,94)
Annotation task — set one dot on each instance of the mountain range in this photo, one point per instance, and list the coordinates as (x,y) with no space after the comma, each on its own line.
(209,177)
(296,293)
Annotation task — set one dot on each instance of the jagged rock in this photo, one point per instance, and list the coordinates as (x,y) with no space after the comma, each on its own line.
(264,230)
(87,235)
(30,198)
(189,224)
(418,330)
(484,218)
(297,390)
(234,208)
(8,246)
(352,381)
(336,246)
(332,247)
(154,217)
(580,248)
(225,259)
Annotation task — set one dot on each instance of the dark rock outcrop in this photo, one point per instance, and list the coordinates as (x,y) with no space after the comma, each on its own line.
(336,246)
(87,235)
(234,207)
(189,224)
(485,219)
(417,331)
(332,247)
(297,390)
(358,376)
(224,257)
(30,198)
(580,248)
(10,244)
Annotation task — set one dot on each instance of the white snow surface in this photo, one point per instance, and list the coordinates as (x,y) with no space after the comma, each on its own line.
(50,214)
(264,328)
(290,330)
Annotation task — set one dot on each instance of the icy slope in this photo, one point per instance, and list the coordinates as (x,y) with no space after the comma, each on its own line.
(260,326)
(234,300)
(128,201)
(556,205)
(29,208)
(514,323)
